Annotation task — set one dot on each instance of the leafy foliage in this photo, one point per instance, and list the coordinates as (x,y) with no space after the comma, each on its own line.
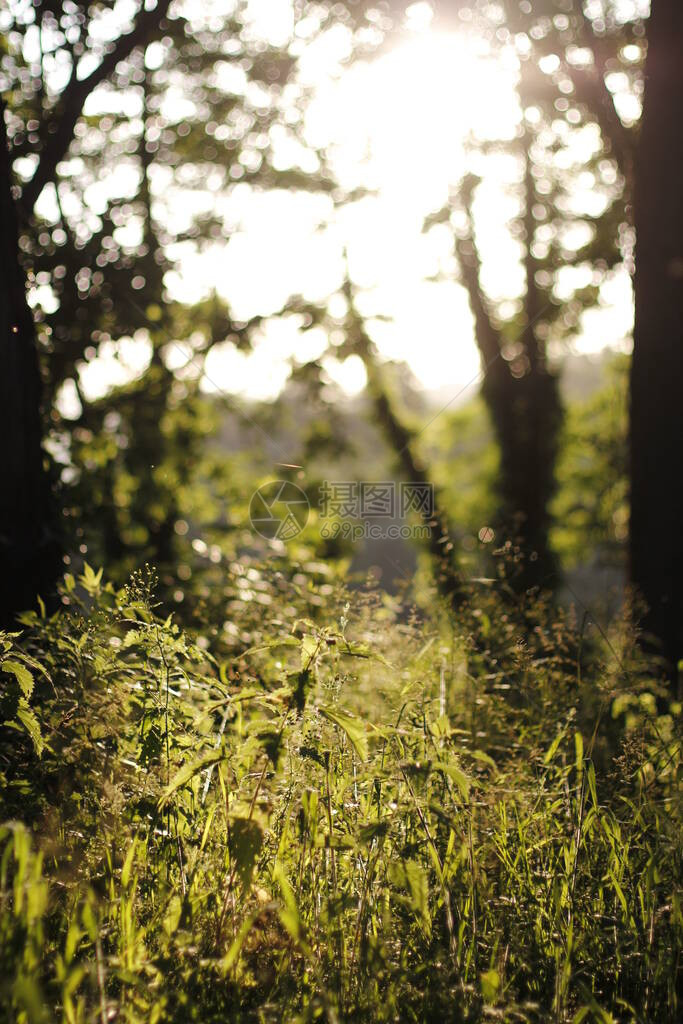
(591,508)
(346,817)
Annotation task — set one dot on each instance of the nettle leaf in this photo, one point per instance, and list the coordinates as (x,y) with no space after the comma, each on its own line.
(349,724)
(285,641)
(152,743)
(462,781)
(309,649)
(30,724)
(21,674)
(271,741)
(375,830)
(135,636)
(246,840)
(418,885)
(32,663)
(354,650)
(188,771)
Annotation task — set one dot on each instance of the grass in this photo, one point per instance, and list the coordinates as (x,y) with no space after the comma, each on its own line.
(346,814)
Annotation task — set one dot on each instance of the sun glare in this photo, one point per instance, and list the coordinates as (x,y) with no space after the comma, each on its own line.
(397,126)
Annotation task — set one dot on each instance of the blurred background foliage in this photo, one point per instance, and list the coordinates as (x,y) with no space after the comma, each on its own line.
(205,103)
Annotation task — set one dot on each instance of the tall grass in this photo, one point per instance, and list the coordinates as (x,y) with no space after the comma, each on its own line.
(350,817)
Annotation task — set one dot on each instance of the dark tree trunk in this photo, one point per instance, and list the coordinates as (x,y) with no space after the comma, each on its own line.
(27,553)
(656,377)
(523,400)
(526,413)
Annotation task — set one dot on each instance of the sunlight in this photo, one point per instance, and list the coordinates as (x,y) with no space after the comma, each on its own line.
(398,123)
(398,127)
(395,126)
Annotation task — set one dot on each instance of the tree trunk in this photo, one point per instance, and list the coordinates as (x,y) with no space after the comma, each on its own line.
(656,377)
(527,415)
(27,553)
(523,400)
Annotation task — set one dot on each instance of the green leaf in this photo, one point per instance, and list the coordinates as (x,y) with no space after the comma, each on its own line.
(231,957)
(418,885)
(619,891)
(172,916)
(302,626)
(289,914)
(578,743)
(552,749)
(349,724)
(128,864)
(480,755)
(462,781)
(188,771)
(21,674)
(285,641)
(592,785)
(490,984)
(90,580)
(30,723)
(246,840)
(309,649)
(362,651)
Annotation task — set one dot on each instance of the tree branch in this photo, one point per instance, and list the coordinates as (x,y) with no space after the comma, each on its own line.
(147,25)
(486,334)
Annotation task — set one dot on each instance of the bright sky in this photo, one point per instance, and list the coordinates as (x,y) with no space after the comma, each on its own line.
(397,125)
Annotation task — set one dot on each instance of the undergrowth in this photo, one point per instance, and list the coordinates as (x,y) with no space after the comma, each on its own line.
(343,811)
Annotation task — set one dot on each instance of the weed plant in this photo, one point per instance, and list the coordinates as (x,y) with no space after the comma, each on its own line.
(334,808)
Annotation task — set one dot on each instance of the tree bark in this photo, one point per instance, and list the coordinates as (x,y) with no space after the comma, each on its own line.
(523,400)
(527,415)
(656,550)
(27,550)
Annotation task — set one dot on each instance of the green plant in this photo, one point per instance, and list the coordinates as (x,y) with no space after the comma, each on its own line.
(348,817)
